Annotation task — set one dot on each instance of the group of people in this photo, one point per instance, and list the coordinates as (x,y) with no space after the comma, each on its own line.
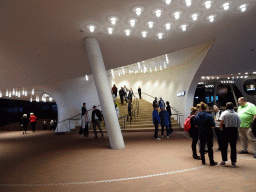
(163,118)
(96,121)
(25,120)
(226,125)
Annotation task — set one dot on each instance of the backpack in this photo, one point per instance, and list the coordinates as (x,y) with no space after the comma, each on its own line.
(187,124)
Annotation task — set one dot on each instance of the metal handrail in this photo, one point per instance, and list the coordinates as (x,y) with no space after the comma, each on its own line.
(176,111)
(71,118)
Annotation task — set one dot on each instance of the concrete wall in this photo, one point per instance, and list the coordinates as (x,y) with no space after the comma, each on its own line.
(168,82)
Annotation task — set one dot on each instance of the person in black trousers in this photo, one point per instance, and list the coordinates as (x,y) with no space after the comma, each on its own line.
(121,95)
(156,121)
(96,119)
(229,133)
(193,132)
(139,92)
(168,108)
(205,124)
(83,109)
(24,122)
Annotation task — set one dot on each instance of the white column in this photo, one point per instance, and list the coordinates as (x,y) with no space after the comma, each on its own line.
(104,93)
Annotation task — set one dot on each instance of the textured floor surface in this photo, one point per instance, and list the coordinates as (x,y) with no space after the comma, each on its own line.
(44,161)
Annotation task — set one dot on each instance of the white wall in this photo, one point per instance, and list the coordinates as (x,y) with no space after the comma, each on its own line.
(168,82)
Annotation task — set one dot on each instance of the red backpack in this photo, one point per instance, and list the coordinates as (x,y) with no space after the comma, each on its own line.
(187,124)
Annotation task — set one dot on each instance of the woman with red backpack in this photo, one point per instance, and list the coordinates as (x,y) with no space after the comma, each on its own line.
(193,132)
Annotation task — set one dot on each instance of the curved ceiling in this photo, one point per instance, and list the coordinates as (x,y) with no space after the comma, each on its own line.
(42,41)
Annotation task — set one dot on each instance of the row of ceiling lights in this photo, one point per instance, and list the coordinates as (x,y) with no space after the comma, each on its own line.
(232,77)
(158,12)
(17,93)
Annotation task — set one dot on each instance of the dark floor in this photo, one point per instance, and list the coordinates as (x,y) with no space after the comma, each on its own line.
(44,161)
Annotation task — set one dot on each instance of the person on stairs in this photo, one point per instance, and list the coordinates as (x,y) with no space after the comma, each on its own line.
(86,119)
(96,119)
(156,121)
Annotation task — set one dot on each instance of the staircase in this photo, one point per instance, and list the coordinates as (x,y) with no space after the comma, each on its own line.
(142,123)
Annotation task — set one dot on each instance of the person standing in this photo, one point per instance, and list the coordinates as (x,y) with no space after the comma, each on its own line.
(247,113)
(156,121)
(205,124)
(130,94)
(165,122)
(193,132)
(129,105)
(155,103)
(168,108)
(161,103)
(24,122)
(52,126)
(33,119)
(139,92)
(121,95)
(216,115)
(229,133)
(83,109)
(114,89)
(117,110)
(96,119)
(86,119)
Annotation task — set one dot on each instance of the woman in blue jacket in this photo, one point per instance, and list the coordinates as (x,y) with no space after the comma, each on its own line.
(165,121)
(156,121)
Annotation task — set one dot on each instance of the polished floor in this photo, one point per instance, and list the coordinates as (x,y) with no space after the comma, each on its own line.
(44,161)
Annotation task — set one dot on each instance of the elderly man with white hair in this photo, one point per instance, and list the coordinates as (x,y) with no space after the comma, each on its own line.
(165,122)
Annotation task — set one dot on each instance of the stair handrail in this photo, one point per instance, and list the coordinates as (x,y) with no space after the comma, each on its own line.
(71,118)
(176,111)
(132,112)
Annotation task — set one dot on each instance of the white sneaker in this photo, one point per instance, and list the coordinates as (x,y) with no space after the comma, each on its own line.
(158,139)
(167,137)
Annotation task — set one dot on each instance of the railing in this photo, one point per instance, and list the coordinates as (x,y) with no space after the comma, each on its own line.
(134,111)
(72,119)
(177,113)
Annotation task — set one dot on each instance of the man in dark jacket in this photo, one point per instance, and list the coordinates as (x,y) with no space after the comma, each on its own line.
(24,122)
(130,94)
(156,121)
(121,95)
(96,119)
(155,103)
(83,109)
(139,92)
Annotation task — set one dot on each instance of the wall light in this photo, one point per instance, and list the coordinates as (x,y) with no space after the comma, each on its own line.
(160,35)
(177,15)
(86,77)
(194,16)
(208,4)
(6,93)
(113,20)
(168,1)
(188,2)
(127,32)
(138,11)
(1,95)
(91,28)
(158,12)
(243,8)
(226,6)
(144,33)
(211,18)
(168,26)
(110,30)
(133,22)
(183,27)
(150,24)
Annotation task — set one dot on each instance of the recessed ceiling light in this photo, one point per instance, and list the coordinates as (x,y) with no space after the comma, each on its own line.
(160,35)
(225,6)
(211,18)
(127,32)
(168,1)
(150,24)
(194,16)
(177,14)
(138,10)
(91,28)
(133,22)
(158,12)
(188,2)
(243,7)
(168,26)
(208,4)
(110,30)
(113,19)
(183,27)
(144,33)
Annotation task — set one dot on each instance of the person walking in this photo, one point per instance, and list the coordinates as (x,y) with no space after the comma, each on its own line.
(216,115)
(86,119)
(114,90)
(247,113)
(205,124)
(139,92)
(130,94)
(129,105)
(156,121)
(33,119)
(96,119)
(24,122)
(229,133)
(165,122)
(161,103)
(193,132)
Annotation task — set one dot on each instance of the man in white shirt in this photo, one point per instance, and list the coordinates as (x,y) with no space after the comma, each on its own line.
(216,115)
